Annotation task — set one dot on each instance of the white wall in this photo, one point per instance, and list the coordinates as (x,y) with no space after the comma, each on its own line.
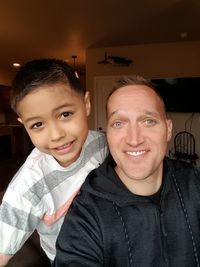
(181,121)
(165,60)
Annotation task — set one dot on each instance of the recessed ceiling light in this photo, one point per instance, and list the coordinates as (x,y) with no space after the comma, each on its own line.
(16,64)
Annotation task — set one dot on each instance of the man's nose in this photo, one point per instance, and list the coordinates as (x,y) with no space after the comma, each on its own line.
(134,135)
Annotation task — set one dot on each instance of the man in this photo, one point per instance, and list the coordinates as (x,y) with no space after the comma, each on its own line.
(138,208)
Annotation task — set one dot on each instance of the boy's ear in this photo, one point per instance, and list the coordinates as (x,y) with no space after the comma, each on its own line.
(20,120)
(87,103)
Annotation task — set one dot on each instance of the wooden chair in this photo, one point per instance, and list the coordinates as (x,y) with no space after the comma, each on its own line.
(184,147)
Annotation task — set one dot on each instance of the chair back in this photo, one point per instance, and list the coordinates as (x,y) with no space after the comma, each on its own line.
(184,147)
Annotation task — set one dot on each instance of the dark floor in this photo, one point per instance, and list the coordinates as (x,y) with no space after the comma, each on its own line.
(30,255)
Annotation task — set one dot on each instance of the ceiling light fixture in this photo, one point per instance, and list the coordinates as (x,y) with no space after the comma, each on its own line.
(76,73)
(115,60)
(16,65)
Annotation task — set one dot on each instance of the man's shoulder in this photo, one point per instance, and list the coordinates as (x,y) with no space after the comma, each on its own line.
(184,170)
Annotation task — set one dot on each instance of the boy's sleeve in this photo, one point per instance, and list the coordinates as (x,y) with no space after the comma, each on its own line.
(18,219)
(103,147)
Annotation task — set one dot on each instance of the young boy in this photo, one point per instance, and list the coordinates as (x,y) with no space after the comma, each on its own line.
(53,107)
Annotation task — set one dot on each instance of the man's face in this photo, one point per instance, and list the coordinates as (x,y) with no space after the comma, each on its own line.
(55,117)
(138,133)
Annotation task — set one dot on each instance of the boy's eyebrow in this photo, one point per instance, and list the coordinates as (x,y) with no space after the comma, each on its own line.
(31,119)
(66,105)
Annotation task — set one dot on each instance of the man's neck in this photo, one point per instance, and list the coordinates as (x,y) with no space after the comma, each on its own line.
(146,186)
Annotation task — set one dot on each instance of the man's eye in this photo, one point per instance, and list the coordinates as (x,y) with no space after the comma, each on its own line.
(36,125)
(117,124)
(150,122)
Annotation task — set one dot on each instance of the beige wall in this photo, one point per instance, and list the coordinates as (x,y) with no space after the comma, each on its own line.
(6,76)
(152,61)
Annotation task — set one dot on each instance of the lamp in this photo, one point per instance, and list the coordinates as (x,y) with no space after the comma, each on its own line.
(76,73)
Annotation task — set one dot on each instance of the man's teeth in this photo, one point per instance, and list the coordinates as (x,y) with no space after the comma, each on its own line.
(136,153)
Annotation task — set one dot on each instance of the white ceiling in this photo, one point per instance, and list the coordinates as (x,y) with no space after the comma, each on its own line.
(62,28)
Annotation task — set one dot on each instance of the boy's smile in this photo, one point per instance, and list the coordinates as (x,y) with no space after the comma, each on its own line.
(64,149)
(55,117)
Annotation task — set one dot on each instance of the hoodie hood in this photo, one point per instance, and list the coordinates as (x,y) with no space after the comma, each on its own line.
(104,182)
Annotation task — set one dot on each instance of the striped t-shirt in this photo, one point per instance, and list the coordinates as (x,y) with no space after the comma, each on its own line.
(40,194)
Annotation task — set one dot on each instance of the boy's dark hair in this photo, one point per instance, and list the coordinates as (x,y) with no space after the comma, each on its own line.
(133,80)
(40,72)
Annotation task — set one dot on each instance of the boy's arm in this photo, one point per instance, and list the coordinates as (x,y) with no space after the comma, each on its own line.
(16,224)
(4,259)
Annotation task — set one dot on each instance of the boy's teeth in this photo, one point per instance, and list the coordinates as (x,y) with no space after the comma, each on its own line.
(62,147)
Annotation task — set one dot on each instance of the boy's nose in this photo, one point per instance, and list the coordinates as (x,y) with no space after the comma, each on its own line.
(56,132)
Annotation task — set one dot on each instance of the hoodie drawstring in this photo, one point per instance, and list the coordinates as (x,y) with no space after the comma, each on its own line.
(126,235)
(187,220)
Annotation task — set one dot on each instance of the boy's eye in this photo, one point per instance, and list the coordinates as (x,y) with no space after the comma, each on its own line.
(66,114)
(36,125)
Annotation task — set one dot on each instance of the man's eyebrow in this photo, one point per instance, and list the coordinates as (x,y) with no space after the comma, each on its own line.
(113,113)
(152,113)
(146,113)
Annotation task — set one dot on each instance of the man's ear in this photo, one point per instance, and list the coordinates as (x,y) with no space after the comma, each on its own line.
(169,129)
(87,103)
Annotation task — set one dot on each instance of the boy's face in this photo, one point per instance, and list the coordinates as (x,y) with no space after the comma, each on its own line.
(55,117)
